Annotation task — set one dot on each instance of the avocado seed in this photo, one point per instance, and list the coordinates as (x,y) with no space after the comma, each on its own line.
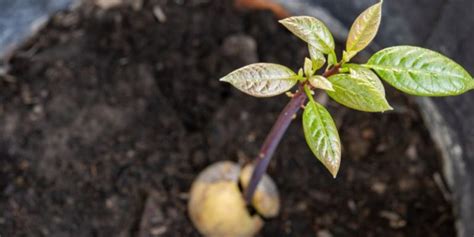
(217,207)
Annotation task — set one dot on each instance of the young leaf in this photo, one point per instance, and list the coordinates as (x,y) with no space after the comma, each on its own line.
(365,73)
(420,71)
(317,57)
(363,31)
(322,136)
(308,67)
(332,60)
(312,31)
(262,79)
(321,83)
(301,72)
(358,93)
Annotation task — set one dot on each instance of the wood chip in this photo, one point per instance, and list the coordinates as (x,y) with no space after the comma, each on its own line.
(159,14)
(395,221)
(106,4)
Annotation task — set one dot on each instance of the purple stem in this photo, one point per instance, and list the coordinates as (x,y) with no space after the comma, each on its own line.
(272,141)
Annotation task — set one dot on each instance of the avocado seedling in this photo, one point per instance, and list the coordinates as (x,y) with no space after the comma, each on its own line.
(410,69)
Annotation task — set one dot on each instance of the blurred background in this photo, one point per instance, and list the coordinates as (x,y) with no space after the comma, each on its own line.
(110,108)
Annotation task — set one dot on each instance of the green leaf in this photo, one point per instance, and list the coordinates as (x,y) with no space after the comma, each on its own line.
(317,57)
(332,60)
(262,79)
(358,92)
(301,72)
(420,71)
(321,83)
(363,31)
(322,136)
(308,67)
(312,31)
(365,73)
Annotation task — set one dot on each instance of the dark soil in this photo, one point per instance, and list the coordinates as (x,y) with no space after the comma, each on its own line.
(107,116)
